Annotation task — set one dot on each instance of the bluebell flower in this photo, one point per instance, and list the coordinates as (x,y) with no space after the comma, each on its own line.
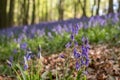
(72,37)
(77,65)
(61,56)
(15,51)
(33,30)
(50,35)
(86,26)
(23,46)
(19,40)
(73,30)
(84,51)
(28,54)
(76,43)
(87,61)
(82,61)
(76,54)
(25,29)
(39,52)
(68,44)
(59,29)
(84,40)
(10,61)
(25,63)
(76,29)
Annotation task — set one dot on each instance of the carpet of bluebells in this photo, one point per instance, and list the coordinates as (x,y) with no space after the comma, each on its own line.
(76,49)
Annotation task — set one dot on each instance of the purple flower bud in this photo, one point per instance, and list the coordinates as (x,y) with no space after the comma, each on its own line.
(25,29)
(76,43)
(84,40)
(9,63)
(72,37)
(73,30)
(23,46)
(61,56)
(76,54)
(28,56)
(82,62)
(15,51)
(50,35)
(25,63)
(68,45)
(84,51)
(77,65)
(87,61)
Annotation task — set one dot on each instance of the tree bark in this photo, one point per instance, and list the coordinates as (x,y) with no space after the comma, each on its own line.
(46,14)
(75,9)
(97,11)
(25,11)
(11,13)
(3,14)
(119,6)
(110,9)
(33,13)
(60,9)
(83,7)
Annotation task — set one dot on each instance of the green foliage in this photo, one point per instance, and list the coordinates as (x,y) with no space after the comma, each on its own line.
(50,45)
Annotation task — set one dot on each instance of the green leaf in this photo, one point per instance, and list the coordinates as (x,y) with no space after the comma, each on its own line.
(22,72)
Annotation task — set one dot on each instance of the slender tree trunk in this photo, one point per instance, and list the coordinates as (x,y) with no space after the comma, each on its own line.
(11,13)
(83,7)
(46,14)
(42,9)
(25,11)
(51,15)
(60,10)
(75,9)
(76,3)
(38,11)
(110,9)
(119,6)
(33,13)
(97,11)
(3,14)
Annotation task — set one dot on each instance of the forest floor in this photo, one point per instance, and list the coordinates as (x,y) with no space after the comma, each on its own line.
(104,63)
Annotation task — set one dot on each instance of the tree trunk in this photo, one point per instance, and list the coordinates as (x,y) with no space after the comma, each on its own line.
(3,14)
(75,9)
(97,11)
(60,10)
(119,6)
(46,14)
(76,4)
(11,13)
(33,13)
(83,7)
(25,11)
(110,9)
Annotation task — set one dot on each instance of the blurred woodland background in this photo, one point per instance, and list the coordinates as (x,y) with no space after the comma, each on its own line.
(27,12)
